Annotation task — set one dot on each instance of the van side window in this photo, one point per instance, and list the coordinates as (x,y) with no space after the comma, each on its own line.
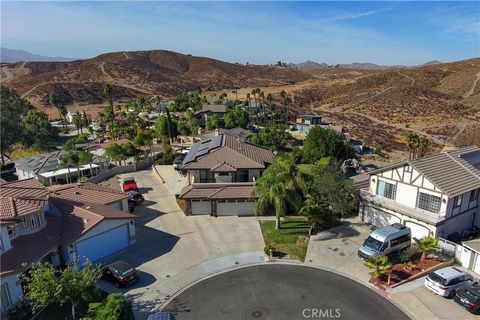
(400,240)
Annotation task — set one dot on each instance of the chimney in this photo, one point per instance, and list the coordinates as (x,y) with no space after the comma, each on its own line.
(216,132)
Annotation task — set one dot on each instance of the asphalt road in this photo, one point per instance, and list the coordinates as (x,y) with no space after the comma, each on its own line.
(280,292)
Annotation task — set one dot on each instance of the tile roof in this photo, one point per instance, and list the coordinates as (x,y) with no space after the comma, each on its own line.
(217,108)
(237,154)
(237,133)
(223,167)
(87,192)
(19,198)
(217,191)
(452,172)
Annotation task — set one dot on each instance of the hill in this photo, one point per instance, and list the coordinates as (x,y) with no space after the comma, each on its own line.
(153,72)
(12,55)
(439,100)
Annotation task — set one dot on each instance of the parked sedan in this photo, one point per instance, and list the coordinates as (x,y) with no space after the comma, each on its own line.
(135,197)
(120,273)
(445,282)
(469,297)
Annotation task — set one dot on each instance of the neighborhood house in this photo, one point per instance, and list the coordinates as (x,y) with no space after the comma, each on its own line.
(53,225)
(221,172)
(208,111)
(434,196)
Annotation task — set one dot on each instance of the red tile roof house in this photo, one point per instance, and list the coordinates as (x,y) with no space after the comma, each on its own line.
(42,224)
(221,173)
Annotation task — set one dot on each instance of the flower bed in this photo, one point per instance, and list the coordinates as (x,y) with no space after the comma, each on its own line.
(401,272)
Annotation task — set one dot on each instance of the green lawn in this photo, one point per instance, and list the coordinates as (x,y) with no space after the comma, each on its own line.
(285,240)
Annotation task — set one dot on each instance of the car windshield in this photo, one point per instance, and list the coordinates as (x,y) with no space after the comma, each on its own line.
(437,279)
(373,244)
(122,268)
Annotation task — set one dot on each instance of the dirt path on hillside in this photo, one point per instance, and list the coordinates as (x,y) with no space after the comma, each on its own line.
(115,81)
(472,89)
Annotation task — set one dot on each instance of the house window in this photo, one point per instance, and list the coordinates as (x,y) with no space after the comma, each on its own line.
(474,195)
(11,231)
(205,176)
(223,174)
(457,201)
(241,176)
(408,168)
(5,298)
(429,202)
(386,190)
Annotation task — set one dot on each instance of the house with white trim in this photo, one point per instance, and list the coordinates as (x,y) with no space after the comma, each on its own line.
(53,225)
(434,196)
(221,172)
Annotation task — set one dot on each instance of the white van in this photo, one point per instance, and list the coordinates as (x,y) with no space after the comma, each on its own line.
(385,241)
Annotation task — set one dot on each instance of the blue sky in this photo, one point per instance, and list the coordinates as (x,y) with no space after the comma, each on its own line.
(256,32)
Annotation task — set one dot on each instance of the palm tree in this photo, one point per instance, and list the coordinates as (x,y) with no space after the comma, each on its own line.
(52,98)
(278,187)
(86,157)
(78,121)
(412,141)
(423,144)
(107,91)
(426,245)
(379,266)
(270,99)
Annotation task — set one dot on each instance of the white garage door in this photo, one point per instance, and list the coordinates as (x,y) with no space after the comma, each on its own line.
(378,217)
(201,207)
(103,244)
(239,208)
(476,267)
(418,231)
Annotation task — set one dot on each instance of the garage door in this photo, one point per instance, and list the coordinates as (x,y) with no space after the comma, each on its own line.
(378,217)
(201,207)
(239,208)
(103,244)
(476,267)
(418,231)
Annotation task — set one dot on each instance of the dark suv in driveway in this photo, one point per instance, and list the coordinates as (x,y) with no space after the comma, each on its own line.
(120,273)
(469,297)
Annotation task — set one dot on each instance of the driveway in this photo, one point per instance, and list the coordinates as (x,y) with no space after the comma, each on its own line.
(173,250)
(337,248)
(424,304)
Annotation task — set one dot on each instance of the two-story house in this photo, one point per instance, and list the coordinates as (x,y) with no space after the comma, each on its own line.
(221,173)
(208,111)
(436,195)
(41,224)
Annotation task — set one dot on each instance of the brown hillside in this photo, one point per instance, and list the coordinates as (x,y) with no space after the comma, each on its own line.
(141,72)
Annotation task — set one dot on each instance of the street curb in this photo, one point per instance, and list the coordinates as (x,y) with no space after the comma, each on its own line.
(155,173)
(385,295)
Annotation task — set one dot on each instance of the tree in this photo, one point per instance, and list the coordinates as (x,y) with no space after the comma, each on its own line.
(71,158)
(78,121)
(62,111)
(115,307)
(143,139)
(236,117)
(114,152)
(329,193)
(412,140)
(278,187)
(12,107)
(213,123)
(46,285)
(273,136)
(161,127)
(426,245)
(323,143)
(38,133)
(107,91)
(86,157)
(379,266)
(423,145)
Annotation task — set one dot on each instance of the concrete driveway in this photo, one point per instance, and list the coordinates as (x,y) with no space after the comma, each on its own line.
(173,250)
(337,249)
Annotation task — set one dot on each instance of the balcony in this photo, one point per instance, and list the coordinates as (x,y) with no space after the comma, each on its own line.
(419,214)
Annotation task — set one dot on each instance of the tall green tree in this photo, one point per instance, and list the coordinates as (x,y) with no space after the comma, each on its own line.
(86,157)
(279,187)
(273,136)
(12,107)
(236,117)
(38,133)
(322,143)
(114,152)
(70,286)
(78,121)
(107,91)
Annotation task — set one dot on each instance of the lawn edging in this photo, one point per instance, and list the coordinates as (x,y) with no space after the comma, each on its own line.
(423,273)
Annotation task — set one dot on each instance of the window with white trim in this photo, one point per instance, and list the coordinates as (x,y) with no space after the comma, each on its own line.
(429,202)
(387,190)
(11,231)
(5,297)
(457,201)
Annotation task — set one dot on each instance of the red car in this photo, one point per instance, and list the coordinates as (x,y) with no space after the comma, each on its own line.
(129,184)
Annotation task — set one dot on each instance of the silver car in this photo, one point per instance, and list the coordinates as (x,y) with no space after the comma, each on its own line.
(446,281)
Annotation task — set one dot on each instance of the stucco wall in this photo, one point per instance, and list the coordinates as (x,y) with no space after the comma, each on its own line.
(14,289)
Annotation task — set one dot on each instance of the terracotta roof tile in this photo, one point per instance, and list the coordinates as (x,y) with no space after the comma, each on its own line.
(217,191)
(88,192)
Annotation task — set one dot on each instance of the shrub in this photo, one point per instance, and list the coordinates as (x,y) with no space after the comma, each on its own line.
(403,255)
(269,247)
(20,311)
(166,159)
(115,307)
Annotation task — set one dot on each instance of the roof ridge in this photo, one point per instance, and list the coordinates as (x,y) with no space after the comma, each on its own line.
(88,211)
(214,193)
(455,159)
(14,207)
